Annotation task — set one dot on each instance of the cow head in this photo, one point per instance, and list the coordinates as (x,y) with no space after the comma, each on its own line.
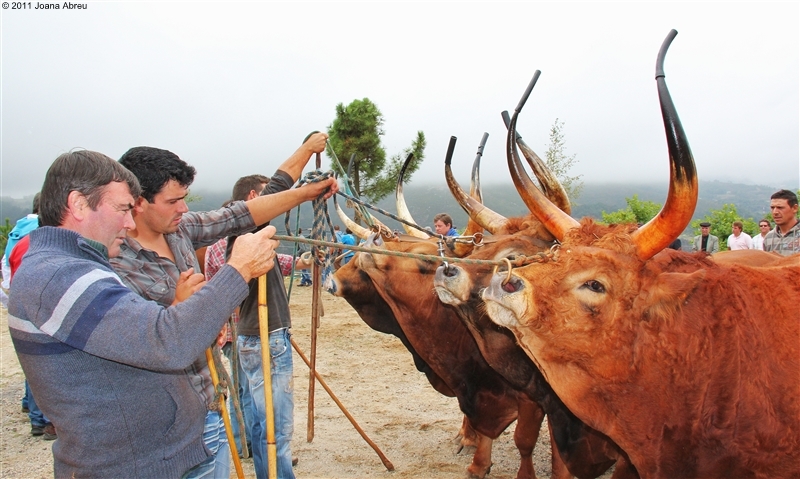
(579,310)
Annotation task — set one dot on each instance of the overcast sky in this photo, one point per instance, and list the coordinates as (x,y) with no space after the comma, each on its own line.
(233,88)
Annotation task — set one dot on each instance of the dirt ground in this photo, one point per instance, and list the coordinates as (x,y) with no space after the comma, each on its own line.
(373,376)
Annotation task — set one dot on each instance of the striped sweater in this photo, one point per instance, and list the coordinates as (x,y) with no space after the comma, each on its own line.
(107,366)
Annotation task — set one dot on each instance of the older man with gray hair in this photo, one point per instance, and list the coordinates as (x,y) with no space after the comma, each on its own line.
(115,388)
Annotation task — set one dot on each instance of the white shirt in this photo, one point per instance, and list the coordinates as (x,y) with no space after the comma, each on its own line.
(758,242)
(743,241)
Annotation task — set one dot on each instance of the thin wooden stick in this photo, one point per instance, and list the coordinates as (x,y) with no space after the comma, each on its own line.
(386,462)
(224,412)
(263,327)
(315,310)
(316,276)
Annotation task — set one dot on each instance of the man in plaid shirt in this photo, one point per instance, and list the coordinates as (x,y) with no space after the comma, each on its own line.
(157,259)
(785,238)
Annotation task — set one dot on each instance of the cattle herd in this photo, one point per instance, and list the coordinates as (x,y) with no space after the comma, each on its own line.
(659,363)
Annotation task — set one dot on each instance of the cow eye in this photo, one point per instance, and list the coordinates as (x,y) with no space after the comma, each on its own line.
(594,286)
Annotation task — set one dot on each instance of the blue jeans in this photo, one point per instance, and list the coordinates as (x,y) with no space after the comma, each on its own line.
(244,403)
(282,399)
(218,466)
(34,413)
(305,277)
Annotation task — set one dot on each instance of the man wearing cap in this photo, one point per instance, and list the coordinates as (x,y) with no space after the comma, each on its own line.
(705,241)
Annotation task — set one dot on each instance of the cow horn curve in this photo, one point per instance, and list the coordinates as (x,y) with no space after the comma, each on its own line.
(476,192)
(551,187)
(677,212)
(555,220)
(400,202)
(356,228)
(480,214)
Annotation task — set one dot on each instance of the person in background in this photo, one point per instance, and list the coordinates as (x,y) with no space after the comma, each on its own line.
(21,228)
(279,323)
(785,238)
(348,239)
(443,225)
(18,236)
(705,241)
(305,274)
(214,260)
(738,238)
(40,425)
(763,228)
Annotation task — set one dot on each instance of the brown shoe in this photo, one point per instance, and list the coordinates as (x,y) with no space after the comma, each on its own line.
(49,433)
(295,460)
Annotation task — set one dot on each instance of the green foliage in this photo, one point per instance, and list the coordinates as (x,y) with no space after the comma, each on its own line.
(382,185)
(356,133)
(4,231)
(191,197)
(637,211)
(722,221)
(560,163)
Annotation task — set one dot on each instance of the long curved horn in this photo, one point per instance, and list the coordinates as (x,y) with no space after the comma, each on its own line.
(400,203)
(476,192)
(483,216)
(551,187)
(356,228)
(677,212)
(555,220)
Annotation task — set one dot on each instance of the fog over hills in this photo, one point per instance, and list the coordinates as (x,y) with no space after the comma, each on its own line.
(426,200)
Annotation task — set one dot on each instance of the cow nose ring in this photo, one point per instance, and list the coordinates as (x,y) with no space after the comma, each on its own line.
(508,275)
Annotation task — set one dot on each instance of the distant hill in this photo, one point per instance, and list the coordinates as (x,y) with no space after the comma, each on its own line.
(15,208)
(425,201)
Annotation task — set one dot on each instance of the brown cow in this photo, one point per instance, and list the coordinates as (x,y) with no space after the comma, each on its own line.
(582,451)
(691,366)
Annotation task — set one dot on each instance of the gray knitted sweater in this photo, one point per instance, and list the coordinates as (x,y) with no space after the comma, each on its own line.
(115,389)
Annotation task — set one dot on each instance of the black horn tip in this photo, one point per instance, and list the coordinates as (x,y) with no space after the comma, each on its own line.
(450,148)
(662,53)
(528,91)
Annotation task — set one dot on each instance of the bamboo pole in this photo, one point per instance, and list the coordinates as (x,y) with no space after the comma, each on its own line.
(223,410)
(263,327)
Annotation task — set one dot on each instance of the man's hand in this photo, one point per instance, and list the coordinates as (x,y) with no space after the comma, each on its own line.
(254,253)
(222,337)
(316,142)
(189,283)
(311,191)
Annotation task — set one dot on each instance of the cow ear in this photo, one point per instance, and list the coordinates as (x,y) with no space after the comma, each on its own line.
(668,293)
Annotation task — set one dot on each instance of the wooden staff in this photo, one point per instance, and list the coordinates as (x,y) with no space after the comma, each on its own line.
(263,327)
(316,279)
(212,368)
(386,462)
